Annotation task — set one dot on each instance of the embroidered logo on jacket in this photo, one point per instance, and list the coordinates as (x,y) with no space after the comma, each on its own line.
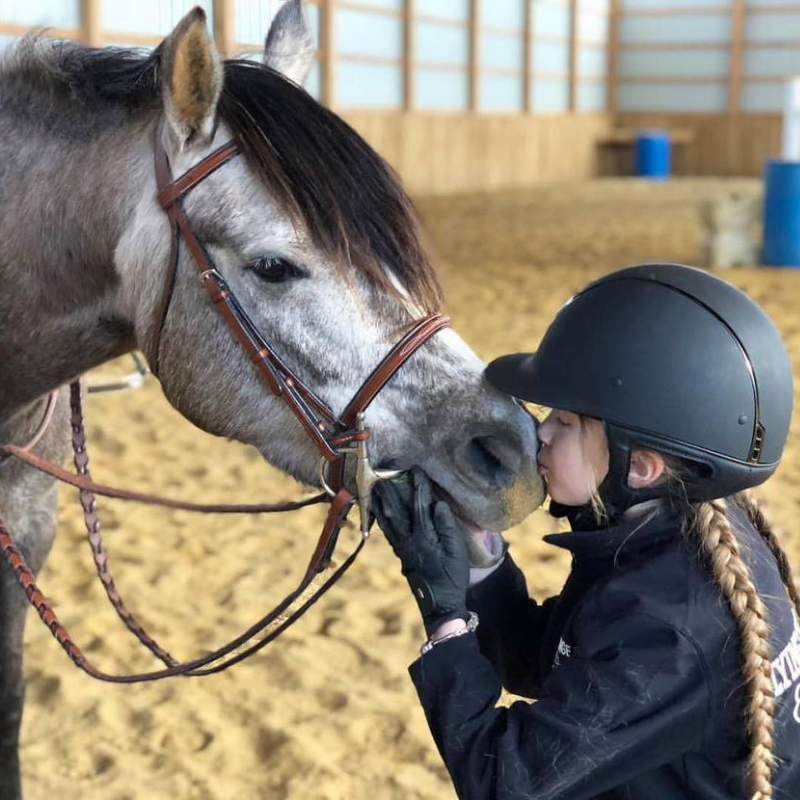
(797,704)
(564,650)
(786,670)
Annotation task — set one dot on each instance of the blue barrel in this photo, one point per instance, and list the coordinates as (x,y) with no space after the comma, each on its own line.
(653,154)
(781,213)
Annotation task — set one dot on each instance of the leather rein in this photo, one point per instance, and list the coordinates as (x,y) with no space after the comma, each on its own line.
(336,438)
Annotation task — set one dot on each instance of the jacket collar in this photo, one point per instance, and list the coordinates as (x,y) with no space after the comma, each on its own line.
(651,529)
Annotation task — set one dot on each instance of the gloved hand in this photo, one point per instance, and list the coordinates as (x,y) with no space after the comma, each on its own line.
(430,544)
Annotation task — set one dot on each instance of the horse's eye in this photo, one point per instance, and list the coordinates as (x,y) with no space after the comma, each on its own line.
(274,270)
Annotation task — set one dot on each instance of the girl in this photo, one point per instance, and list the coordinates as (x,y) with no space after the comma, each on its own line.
(669,665)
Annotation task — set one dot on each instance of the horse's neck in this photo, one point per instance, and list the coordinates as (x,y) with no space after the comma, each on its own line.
(62,207)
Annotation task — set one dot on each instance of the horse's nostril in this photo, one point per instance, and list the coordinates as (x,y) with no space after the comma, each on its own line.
(489,457)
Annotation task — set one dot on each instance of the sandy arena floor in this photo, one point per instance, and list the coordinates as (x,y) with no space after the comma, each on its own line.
(328,712)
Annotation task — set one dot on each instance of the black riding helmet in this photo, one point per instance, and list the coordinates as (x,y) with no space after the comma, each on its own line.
(670,358)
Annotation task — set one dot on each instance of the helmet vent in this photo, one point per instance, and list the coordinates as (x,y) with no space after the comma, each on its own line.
(758,444)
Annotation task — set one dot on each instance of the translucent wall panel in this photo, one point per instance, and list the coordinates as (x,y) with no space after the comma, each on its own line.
(392,5)
(771,61)
(670,60)
(676,28)
(650,4)
(363,85)
(762,96)
(591,96)
(58,13)
(441,44)
(253,18)
(592,62)
(449,9)
(592,25)
(550,95)
(763,27)
(597,6)
(672,97)
(500,93)
(550,57)
(154,17)
(503,50)
(504,13)
(312,84)
(365,34)
(673,63)
(550,18)
(440,89)
(312,17)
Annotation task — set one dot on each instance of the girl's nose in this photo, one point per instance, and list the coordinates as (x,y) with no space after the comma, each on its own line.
(543,433)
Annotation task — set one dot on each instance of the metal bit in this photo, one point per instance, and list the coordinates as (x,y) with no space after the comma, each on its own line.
(367,477)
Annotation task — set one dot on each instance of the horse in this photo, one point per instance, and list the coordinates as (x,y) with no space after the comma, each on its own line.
(307,224)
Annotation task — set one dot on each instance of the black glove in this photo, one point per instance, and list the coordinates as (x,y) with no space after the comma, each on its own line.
(430,544)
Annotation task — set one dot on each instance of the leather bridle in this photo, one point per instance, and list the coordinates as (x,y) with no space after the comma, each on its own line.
(336,438)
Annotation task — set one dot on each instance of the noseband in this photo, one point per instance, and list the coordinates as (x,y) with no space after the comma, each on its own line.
(335,437)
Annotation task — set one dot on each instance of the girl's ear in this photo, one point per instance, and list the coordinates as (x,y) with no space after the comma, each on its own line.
(647,466)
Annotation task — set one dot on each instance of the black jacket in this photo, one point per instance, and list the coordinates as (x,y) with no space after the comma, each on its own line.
(636,669)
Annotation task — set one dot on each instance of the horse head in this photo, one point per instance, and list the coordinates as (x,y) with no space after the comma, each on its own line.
(312,232)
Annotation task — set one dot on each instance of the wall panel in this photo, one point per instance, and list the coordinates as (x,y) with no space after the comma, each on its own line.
(448,9)
(592,57)
(253,18)
(58,13)
(368,58)
(657,5)
(770,26)
(673,62)
(441,89)
(550,84)
(148,17)
(684,28)
(442,153)
(500,93)
(722,144)
(714,56)
(441,43)
(363,85)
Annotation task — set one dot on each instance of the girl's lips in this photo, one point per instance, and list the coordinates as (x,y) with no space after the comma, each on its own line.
(542,469)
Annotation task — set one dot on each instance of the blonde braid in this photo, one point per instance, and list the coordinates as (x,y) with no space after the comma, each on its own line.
(747,501)
(718,539)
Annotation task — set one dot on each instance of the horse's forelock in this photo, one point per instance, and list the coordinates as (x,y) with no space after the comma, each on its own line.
(328,178)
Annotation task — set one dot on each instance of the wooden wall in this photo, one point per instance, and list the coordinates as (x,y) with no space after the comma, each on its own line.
(444,153)
(722,144)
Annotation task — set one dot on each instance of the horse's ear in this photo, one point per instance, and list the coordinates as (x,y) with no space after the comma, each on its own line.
(191,79)
(289,48)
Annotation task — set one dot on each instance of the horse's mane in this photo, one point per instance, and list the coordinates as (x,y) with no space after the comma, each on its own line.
(320,171)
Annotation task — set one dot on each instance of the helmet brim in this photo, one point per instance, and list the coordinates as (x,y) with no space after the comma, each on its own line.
(512,374)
